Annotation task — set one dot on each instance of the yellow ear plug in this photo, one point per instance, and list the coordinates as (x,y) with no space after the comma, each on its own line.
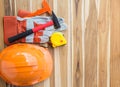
(57,39)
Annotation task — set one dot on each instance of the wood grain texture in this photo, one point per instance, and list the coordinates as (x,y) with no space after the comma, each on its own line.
(22,4)
(115,43)
(1,25)
(63,51)
(91,57)
(9,6)
(77,44)
(34,5)
(103,40)
(91,45)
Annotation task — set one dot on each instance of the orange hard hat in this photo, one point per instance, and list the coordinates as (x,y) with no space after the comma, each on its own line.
(25,64)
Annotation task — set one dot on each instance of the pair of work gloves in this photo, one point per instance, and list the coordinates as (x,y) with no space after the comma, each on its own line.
(14,25)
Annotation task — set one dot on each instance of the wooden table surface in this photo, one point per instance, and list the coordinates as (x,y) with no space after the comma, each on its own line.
(91,57)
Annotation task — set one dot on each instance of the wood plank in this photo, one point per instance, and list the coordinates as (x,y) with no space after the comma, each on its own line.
(57,68)
(115,43)
(10,7)
(103,38)
(22,4)
(1,25)
(2,83)
(41,84)
(35,5)
(77,43)
(7,7)
(69,44)
(84,61)
(90,44)
(63,51)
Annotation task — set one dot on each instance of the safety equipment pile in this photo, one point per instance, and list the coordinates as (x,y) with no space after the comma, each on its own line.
(30,27)
(15,25)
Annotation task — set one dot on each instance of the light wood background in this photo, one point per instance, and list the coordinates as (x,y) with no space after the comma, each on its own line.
(91,57)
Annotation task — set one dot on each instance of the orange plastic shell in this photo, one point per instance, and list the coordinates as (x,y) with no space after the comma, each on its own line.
(25,64)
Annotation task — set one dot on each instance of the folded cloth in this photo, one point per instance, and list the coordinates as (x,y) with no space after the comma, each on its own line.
(15,25)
